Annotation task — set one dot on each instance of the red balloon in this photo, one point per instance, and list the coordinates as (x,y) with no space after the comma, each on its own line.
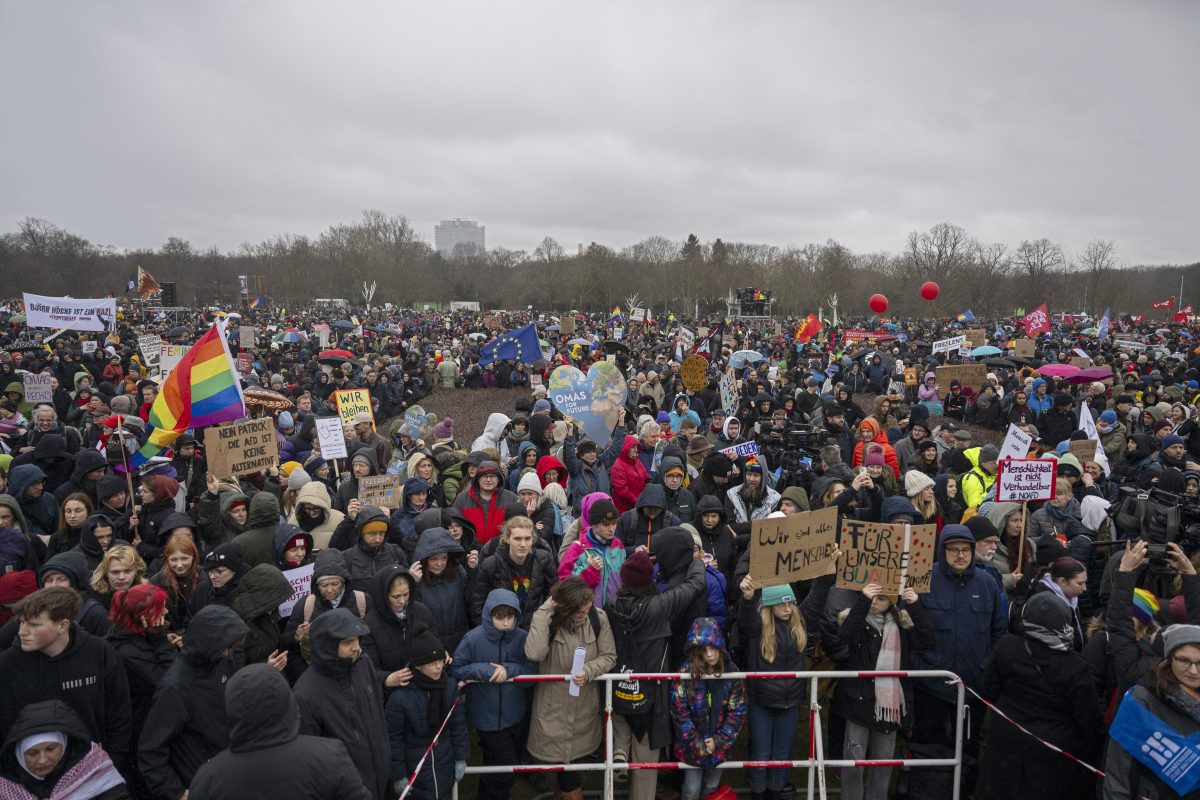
(878,303)
(929,290)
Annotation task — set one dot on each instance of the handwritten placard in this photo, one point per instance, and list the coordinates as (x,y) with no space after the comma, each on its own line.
(694,372)
(37,388)
(241,448)
(1016,443)
(351,402)
(1020,480)
(382,491)
(300,579)
(973,375)
(1025,348)
(892,556)
(795,548)
(1083,449)
(976,337)
(330,438)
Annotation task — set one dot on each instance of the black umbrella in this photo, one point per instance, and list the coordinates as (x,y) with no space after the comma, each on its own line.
(174,333)
(344,324)
(999,362)
(613,344)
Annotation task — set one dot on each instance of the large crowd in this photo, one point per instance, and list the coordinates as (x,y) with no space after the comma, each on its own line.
(143,652)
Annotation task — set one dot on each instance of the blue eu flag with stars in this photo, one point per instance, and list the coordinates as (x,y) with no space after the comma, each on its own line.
(519,345)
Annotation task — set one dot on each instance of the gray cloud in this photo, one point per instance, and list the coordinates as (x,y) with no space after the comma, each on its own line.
(777,122)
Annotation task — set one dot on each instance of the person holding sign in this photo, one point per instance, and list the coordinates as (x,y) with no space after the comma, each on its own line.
(877,636)
(965,608)
(776,631)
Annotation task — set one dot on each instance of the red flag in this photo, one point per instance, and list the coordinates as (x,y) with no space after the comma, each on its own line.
(1037,321)
(146,284)
(1168,303)
(1137,319)
(808,329)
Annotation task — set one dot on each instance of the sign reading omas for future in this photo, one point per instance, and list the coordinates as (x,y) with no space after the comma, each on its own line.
(381,491)
(1019,480)
(795,548)
(241,448)
(351,402)
(887,555)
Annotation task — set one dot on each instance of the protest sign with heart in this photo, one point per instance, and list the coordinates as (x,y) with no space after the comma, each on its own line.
(593,400)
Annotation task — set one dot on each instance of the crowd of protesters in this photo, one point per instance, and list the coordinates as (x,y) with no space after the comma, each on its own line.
(143,653)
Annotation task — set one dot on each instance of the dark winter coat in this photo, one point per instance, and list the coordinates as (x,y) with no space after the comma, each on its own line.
(267,756)
(87,676)
(497,571)
(258,540)
(410,733)
(146,660)
(342,699)
(363,562)
(490,706)
(721,541)
(186,724)
(784,693)
(86,460)
(447,599)
(635,528)
(256,601)
(854,699)
(388,644)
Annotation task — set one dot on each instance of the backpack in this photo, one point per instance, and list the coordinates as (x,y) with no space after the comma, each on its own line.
(630,697)
(563,520)
(310,604)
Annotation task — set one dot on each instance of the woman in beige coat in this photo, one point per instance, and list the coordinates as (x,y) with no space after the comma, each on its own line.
(565,728)
(314,513)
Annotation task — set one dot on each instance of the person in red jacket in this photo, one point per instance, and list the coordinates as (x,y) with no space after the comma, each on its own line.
(485,503)
(872,432)
(628,476)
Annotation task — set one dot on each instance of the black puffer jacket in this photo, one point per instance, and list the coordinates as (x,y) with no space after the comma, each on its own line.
(342,699)
(267,756)
(186,724)
(363,562)
(719,542)
(388,644)
(673,549)
(498,570)
(55,715)
(447,599)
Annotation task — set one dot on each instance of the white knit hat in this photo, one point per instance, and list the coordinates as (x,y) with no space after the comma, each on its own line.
(916,482)
(529,483)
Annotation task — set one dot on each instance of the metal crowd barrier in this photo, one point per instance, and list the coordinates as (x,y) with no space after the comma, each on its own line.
(816,763)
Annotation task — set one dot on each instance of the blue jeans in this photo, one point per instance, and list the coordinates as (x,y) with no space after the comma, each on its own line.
(772,734)
(710,777)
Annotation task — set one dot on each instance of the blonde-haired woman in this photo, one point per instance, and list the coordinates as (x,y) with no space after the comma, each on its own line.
(120,568)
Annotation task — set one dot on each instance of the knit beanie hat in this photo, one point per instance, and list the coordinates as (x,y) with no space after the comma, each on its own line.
(603,511)
(541,405)
(875,457)
(638,571)
(425,648)
(916,482)
(1176,636)
(375,526)
(1172,439)
(1109,417)
(981,527)
(226,555)
(297,478)
(529,483)
(1145,607)
(444,429)
(285,421)
(777,595)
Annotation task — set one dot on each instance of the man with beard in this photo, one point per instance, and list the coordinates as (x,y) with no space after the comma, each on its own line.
(839,434)
(753,499)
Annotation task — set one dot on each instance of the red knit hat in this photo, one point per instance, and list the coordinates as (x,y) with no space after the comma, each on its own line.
(638,571)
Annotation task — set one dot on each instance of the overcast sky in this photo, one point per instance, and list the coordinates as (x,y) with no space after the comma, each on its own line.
(779,122)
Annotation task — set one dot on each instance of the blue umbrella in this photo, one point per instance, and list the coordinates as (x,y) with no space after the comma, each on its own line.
(986,350)
(891,326)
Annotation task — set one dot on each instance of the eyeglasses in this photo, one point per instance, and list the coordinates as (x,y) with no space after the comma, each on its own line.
(1186,664)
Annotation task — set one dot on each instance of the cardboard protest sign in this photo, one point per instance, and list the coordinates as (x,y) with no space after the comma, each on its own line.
(37,388)
(593,400)
(330,438)
(949,345)
(241,448)
(566,326)
(1025,348)
(729,392)
(795,548)
(246,336)
(1020,480)
(151,347)
(1082,363)
(1016,443)
(694,372)
(383,491)
(973,375)
(1083,449)
(300,579)
(245,362)
(976,337)
(887,555)
(351,402)
(492,321)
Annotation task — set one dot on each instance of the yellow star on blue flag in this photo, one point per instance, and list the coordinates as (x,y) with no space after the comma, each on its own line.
(519,345)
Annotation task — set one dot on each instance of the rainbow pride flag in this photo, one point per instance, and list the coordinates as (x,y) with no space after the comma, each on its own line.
(203,390)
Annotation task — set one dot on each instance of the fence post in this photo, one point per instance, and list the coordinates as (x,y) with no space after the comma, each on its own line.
(608,739)
(813,729)
(958,737)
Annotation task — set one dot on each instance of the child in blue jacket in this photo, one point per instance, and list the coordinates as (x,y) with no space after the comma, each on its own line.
(490,654)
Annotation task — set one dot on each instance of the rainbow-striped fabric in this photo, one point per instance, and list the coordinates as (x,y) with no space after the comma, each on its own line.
(202,390)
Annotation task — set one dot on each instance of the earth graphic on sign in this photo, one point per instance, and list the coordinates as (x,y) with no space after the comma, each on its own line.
(603,387)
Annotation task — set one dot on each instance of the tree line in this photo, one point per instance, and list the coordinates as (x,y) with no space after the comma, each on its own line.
(681,276)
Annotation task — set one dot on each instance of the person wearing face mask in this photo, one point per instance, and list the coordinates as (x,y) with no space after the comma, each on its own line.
(186,725)
(341,697)
(49,752)
(965,609)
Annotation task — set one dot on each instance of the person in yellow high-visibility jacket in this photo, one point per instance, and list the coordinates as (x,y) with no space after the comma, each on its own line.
(976,485)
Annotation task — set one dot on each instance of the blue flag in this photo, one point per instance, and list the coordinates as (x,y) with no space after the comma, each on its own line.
(1172,756)
(1102,330)
(519,345)
(966,316)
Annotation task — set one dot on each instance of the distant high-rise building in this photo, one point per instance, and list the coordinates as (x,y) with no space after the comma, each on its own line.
(450,235)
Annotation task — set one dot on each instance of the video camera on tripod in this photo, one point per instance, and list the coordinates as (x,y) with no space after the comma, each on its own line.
(1159,517)
(797,446)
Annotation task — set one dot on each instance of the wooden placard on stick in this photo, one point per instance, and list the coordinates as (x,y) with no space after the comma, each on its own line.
(973,375)
(887,555)
(1025,348)
(566,326)
(1083,449)
(241,448)
(382,491)
(976,337)
(795,548)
